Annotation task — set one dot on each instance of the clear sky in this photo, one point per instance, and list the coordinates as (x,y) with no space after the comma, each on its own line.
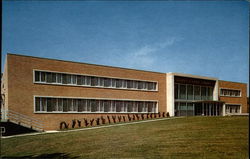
(194,37)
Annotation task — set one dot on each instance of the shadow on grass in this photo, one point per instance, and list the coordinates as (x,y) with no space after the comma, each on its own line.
(44,156)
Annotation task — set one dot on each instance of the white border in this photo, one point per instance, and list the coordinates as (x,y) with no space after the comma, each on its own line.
(234,104)
(57,112)
(230,89)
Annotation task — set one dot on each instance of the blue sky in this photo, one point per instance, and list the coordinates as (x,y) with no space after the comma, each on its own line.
(194,37)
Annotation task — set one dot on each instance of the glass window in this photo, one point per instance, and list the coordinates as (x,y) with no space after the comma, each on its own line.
(176,91)
(140,107)
(140,85)
(65,105)
(43,76)
(190,93)
(53,104)
(119,106)
(101,82)
(53,77)
(203,93)
(210,93)
(183,91)
(113,82)
(70,105)
(88,80)
(49,105)
(197,95)
(94,81)
(69,80)
(38,104)
(75,105)
(60,104)
(118,83)
(107,106)
(150,107)
(130,106)
(44,104)
(107,82)
(74,79)
(58,78)
(64,78)
(37,76)
(79,80)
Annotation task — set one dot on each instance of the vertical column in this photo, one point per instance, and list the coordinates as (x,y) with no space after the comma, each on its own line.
(216,113)
(209,109)
(223,109)
(216,90)
(202,109)
(170,93)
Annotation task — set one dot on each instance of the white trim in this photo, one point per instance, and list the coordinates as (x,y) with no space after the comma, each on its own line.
(89,112)
(229,90)
(99,86)
(233,104)
(94,75)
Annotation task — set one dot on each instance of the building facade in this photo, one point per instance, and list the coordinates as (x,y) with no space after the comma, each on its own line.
(52,91)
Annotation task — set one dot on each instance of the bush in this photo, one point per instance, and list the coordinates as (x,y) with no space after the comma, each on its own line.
(79,123)
(97,121)
(114,117)
(119,118)
(168,114)
(91,122)
(63,123)
(109,119)
(103,120)
(86,122)
(124,118)
(73,123)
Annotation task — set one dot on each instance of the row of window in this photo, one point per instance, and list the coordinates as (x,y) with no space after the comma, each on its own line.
(47,104)
(232,109)
(193,92)
(83,80)
(230,92)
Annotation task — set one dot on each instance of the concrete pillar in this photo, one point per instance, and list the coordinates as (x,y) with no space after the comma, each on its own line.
(223,109)
(170,94)
(216,91)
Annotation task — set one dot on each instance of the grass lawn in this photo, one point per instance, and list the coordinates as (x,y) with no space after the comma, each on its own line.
(191,137)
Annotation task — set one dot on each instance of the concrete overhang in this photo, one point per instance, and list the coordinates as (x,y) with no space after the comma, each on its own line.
(192,76)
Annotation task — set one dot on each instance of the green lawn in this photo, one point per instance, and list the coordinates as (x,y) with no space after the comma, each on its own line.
(191,137)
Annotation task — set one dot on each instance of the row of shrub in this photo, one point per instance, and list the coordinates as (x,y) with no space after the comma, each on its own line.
(111,119)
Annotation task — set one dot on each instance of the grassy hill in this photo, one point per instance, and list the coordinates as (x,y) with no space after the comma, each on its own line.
(191,137)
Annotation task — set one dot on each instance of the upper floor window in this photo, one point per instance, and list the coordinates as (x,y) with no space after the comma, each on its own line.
(93,81)
(230,92)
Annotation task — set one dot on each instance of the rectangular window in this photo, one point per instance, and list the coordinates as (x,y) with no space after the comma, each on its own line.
(43,76)
(183,92)
(64,78)
(190,93)
(71,105)
(38,104)
(230,92)
(58,78)
(48,77)
(53,77)
(176,91)
(74,79)
(118,83)
(203,93)
(94,81)
(107,82)
(210,93)
(37,76)
(197,93)
(88,80)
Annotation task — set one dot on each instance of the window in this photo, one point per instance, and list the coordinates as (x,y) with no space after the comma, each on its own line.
(183,91)
(230,92)
(203,93)
(82,80)
(176,91)
(232,108)
(190,93)
(37,76)
(197,94)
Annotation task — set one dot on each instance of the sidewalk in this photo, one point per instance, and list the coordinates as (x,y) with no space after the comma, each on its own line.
(88,128)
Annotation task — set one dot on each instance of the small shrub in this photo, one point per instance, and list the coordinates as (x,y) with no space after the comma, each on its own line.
(114,117)
(103,120)
(73,123)
(97,121)
(124,118)
(109,119)
(155,115)
(151,115)
(119,118)
(133,117)
(159,114)
(86,122)
(137,116)
(142,116)
(168,114)
(163,114)
(147,116)
(79,123)
(129,118)
(91,122)
(64,125)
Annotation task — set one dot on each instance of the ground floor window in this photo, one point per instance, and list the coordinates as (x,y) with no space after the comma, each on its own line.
(197,108)
(73,105)
(232,108)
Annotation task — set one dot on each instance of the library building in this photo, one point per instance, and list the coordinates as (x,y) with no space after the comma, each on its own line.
(46,92)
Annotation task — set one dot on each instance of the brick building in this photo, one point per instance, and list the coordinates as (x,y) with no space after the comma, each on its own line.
(51,91)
